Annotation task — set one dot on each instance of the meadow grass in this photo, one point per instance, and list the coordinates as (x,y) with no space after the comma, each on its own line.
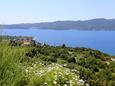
(10,72)
(14,71)
(54,66)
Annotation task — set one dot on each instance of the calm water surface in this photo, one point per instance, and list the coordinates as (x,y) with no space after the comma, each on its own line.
(101,40)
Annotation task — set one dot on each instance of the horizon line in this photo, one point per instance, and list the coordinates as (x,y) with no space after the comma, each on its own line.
(56,21)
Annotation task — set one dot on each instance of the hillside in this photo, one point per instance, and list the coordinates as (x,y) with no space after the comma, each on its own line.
(94,24)
(44,65)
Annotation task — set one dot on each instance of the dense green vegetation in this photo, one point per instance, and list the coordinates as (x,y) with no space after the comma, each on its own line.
(44,65)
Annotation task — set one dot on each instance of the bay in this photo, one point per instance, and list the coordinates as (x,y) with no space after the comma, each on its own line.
(101,40)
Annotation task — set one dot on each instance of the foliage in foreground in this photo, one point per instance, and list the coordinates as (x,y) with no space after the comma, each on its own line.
(55,66)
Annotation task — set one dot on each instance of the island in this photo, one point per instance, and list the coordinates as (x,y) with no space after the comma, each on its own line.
(93,24)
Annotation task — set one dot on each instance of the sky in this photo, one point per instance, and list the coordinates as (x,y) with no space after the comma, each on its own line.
(35,11)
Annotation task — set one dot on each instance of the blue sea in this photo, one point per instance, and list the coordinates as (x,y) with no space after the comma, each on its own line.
(101,40)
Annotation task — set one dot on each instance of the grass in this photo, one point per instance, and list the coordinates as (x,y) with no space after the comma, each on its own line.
(10,72)
(15,71)
(54,66)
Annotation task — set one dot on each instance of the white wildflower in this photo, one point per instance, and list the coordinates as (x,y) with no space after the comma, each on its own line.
(26,70)
(65,84)
(45,83)
(54,82)
(81,81)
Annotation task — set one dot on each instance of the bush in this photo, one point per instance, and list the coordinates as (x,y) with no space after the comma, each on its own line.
(71,60)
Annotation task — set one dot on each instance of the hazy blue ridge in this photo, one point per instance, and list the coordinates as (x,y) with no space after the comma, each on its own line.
(94,24)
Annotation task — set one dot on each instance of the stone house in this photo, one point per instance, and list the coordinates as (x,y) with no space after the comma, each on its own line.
(28,42)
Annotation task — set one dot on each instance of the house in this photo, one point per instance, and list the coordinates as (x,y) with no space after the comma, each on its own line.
(113,58)
(28,41)
(25,41)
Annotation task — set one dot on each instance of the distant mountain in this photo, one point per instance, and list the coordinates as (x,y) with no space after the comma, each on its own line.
(94,24)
